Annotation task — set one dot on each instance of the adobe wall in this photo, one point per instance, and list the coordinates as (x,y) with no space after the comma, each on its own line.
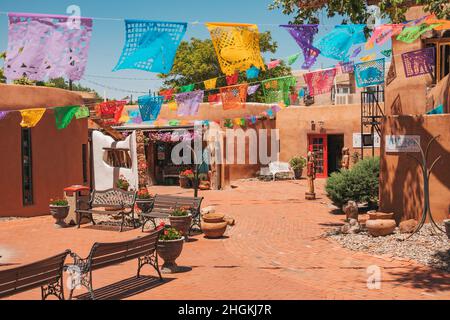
(401,181)
(294,124)
(56,154)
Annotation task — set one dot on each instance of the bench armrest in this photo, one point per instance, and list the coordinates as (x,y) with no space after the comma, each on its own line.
(82,264)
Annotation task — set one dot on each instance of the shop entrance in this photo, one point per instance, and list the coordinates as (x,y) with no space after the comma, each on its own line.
(335,146)
(319,145)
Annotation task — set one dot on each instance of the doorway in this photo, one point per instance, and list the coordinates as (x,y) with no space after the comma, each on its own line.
(335,146)
(319,145)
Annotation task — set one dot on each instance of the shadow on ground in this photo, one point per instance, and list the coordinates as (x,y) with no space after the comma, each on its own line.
(125,289)
(420,278)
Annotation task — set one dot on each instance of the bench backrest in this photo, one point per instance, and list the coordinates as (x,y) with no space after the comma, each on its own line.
(107,254)
(32,276)
(114,198)
(279,167)
(166,204)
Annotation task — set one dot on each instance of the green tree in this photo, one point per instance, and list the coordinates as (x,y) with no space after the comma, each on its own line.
(2,76)
(196,61)
(355,10)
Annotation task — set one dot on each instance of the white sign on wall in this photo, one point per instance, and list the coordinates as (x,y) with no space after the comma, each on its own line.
(357,140)
(396,144)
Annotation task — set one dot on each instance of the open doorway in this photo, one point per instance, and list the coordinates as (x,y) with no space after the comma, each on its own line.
(335,146)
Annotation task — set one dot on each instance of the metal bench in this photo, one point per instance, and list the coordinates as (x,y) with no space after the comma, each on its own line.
(163,206)
(280,167)
(113,202)
(46,274)
(104,255)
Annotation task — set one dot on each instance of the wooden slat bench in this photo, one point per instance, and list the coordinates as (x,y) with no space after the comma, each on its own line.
(104,255)
(115,201)
(46,274)
(163,206)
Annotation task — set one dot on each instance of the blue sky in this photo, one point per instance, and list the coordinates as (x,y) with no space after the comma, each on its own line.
(108,36)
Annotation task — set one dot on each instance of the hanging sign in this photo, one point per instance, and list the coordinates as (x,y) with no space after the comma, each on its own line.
(397,144)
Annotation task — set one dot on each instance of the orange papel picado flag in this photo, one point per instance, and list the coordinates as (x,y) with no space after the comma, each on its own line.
(31,117)
(237,46)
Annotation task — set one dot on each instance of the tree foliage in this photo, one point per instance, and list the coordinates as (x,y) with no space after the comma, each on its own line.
(196,61)
(355,11)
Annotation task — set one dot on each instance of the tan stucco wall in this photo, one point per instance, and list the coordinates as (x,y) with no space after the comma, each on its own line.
(401,181)
(294,124)
(56,154)
(13,97)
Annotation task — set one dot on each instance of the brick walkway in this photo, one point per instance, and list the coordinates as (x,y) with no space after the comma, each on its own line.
(274,252)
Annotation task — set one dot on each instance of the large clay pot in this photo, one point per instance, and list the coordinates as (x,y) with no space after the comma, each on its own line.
(169,251)
(214,230)
(374,215)
(60,213)
(447,227)
(298,173)
(214,218)
(181,224)
(381,228)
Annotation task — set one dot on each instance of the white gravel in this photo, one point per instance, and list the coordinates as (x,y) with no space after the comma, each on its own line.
(424,247)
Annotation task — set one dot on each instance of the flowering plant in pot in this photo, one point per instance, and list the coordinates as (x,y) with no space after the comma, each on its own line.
(123,183)
(59,209)
(186,178)
(181,219)
(144,200)
(170,246)
(298,164)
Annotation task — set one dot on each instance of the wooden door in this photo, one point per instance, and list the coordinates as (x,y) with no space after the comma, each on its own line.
(319,145)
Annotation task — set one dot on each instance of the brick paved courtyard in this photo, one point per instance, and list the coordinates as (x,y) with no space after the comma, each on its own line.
(274,252)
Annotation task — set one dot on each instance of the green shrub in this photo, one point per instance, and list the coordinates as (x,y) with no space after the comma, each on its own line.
(358,184)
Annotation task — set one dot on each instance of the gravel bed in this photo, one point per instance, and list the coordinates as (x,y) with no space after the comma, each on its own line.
(423,247)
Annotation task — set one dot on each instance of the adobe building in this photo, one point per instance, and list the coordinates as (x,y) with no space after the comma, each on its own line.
(408,100)
(36,164)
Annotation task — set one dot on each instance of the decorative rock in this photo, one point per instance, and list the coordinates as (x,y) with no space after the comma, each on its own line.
(352,227)
(353,222)
(374,215)
(381,228)
(351,210)
(207,210)
(408,226)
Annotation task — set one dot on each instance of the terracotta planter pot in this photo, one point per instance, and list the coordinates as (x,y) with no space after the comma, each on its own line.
(214,218)
(185,182)
(447,227)
(298,173)
(374,215)
(60,213)
(214,230)
(169,251)
(381,228)
(181,224)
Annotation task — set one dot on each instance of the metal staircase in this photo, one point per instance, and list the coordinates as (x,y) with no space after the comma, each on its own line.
(372,114)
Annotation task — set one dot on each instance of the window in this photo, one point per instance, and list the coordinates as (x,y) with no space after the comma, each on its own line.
(117,158)
(27,168)
(442,46)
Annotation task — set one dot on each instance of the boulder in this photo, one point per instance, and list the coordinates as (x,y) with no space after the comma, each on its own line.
(351,210)
(381,228)
(408,226)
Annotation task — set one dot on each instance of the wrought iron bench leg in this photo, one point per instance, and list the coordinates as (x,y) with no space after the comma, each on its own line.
(146,220)
(86,282)
(150,260)
(196,222)
(54,289)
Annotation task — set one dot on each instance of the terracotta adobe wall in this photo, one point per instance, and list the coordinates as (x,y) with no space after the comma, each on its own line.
(294,124)
(401,182)
(56,154)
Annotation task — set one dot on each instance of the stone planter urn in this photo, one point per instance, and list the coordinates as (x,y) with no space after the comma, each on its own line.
(447,227)
(59,213)
(381,228)
(181,224)
(185,182)
(144,205)
(169,251)
(298,173)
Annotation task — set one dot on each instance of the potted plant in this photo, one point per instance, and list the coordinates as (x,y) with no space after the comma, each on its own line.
(181,220)
(144,200)
(298,164)
(186,179)
(59,209)
(123,183)
(170,245)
